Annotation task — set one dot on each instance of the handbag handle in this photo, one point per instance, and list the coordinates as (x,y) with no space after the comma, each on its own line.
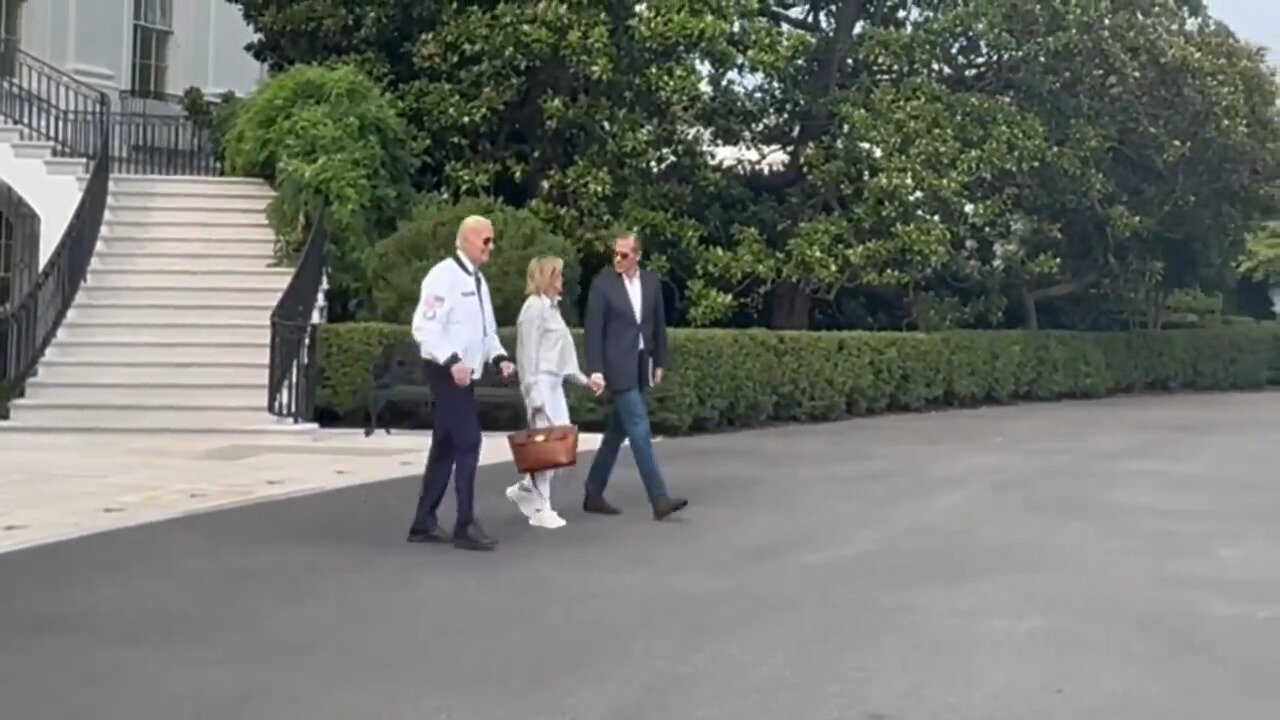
(537,412)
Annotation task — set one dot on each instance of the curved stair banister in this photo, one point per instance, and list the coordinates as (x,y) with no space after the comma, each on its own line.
(52,104)
(293,374)
(76,119)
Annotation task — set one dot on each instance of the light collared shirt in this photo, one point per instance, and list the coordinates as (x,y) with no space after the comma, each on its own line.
(454,319)
(632,283)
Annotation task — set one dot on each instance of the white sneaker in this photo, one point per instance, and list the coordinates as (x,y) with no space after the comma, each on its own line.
(524,498)
(548,519)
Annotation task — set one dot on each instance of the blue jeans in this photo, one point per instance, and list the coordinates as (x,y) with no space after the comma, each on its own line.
(628,419)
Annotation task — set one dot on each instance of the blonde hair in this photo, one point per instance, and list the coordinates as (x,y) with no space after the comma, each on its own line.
(538,279)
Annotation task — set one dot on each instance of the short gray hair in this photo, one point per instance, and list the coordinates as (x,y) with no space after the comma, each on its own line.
(627,236)
(469,223)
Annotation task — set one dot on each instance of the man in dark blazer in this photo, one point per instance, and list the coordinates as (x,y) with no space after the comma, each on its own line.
(626,333)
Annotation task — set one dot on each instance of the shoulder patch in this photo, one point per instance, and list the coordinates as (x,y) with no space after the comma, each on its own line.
(431,305)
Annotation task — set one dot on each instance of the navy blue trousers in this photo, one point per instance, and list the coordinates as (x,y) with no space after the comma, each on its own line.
(455,450)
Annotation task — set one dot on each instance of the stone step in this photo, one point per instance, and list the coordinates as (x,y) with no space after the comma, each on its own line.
(264,296)
(244,201)
(87,310)
(142,416)
(196,277)
(116,393)
(185,215)
(269,425)
(240,373)
(256,230)
(64,165)
(10,133)
(143,350)
(32,149)
(109,258)
(187,245)
(168,332)
(197,186)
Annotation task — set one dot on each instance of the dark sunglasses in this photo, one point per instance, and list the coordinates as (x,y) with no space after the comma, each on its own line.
(622,254)
(487,242)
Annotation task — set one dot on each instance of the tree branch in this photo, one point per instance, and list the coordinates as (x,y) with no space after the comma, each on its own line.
(1066,288)
(792,21)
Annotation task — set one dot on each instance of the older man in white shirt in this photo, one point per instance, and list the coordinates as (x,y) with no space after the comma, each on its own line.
(457,335)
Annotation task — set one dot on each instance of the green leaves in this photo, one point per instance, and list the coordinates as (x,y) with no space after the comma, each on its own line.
(396,266)
(928,158)
(738,379)
(1261,259)
(326,134)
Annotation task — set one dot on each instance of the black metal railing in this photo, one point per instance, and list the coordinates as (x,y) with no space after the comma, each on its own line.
(19,245)
(153,102)
(294,374)
(52,105)
(153,144)
(148,102)
(28,325)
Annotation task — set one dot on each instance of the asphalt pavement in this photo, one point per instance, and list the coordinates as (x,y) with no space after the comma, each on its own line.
(1109,559)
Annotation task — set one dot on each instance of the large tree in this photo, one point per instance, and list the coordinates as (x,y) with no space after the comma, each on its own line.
(904,163)
(593,113)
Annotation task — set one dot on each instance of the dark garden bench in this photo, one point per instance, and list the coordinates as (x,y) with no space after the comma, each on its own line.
(400,376)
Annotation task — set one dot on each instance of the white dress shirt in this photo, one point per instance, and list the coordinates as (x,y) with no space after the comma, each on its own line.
(632,284)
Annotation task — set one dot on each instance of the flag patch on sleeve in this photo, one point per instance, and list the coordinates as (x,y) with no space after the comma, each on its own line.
(432,304)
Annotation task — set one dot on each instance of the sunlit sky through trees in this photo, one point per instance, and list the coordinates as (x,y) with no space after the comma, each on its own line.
(1257,21)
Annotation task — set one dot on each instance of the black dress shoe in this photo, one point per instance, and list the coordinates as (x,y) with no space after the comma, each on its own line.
(472,537)
(430,535)
(663,508)
(598,505)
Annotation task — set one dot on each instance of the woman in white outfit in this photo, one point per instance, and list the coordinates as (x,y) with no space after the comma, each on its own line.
(545,358)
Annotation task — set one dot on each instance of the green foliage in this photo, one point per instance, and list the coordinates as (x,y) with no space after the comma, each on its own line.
(397,265)
(1275,355)
(326,134)
(1261,260)
(214,115)
(932,164)
(729,378)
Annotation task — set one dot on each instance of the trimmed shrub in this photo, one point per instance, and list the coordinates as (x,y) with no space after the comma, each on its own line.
(744,378)
(1275,356)
(396,266)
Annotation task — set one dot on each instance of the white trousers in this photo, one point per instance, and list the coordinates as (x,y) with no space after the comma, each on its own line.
(556,406)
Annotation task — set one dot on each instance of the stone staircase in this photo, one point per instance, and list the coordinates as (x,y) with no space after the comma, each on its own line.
(171,329)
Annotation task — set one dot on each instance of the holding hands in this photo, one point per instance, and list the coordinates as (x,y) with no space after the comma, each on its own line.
(596,383)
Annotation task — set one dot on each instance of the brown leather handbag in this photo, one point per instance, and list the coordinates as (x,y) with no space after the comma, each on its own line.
(547,448)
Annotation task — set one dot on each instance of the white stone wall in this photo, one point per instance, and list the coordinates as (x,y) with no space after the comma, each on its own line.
(93,39)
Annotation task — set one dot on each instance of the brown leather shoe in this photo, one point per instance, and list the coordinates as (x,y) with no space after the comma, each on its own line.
(663,508)
(598,505)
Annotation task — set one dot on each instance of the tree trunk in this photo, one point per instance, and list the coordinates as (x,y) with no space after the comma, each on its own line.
(1029,308)
(788,307)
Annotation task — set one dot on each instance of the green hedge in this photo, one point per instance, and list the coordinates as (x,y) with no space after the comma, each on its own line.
(744,378)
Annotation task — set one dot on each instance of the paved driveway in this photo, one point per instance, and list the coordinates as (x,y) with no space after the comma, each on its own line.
(1113,559)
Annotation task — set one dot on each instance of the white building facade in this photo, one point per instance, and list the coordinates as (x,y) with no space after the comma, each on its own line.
(144,48)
